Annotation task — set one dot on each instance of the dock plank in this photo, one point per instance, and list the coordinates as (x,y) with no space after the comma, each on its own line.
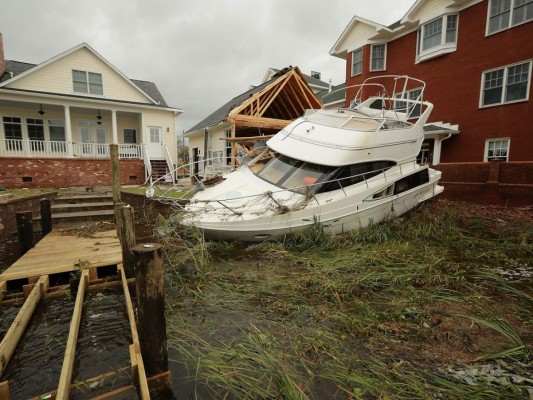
(57,253)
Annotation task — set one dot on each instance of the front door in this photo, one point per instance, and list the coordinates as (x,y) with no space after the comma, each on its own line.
(93,139)
(155,143)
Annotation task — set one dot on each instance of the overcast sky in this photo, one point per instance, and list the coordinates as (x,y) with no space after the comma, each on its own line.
(200,53)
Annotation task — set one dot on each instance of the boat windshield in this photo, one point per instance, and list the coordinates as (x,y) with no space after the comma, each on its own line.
(296,175)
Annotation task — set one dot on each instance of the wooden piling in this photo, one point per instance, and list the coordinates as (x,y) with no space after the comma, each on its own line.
(149,284)
(4,391)
(126,234)
(25,231)
(115,177)
(46,216)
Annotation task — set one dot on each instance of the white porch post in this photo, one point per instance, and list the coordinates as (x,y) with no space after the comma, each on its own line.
(114,126)
(437,146)
(68,132)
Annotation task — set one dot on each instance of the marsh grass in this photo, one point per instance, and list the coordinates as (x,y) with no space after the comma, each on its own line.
(374,313)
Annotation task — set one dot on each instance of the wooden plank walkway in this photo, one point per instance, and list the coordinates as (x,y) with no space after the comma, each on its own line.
(58,252)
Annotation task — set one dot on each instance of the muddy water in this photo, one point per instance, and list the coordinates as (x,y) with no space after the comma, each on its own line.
(103,343)
(7,315)
(36,364)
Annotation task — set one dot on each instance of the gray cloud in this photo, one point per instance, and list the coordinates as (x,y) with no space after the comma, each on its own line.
(200,53)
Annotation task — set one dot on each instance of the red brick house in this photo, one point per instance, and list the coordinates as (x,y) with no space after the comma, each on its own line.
(476,59)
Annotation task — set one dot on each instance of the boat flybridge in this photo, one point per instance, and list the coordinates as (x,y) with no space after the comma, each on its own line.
(344,169)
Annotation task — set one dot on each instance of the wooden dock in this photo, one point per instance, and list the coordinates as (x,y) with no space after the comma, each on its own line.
(59,253)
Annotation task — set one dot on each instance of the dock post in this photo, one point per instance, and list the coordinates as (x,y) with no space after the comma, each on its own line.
(46,216)
(126,234)
(4,391)
(115,177)
(25,231)
(152,327)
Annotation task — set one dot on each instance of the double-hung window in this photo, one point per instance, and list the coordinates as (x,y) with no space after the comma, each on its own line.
(504,14)
(87,82)
(13,133)
(506,84)
(412,109)
(497,149)
(437,37)
(357,62)
(36,133)
(378,57)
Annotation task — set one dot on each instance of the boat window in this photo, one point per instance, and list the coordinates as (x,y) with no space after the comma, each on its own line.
(278,168)
(386,192)
(289,173)
(411,181)
(352,174)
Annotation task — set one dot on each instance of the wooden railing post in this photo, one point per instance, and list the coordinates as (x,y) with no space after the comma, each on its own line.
(126,234)
(149,283)
(46,216)
(25,231)
(115,177)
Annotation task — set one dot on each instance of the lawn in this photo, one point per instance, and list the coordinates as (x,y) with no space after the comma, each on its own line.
(435,304)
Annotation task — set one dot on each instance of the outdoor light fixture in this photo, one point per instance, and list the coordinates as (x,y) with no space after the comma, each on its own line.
(99,118)
(41,110)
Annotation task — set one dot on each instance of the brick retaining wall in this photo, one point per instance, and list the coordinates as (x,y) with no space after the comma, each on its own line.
(9,209)
(495,182)
(60,172)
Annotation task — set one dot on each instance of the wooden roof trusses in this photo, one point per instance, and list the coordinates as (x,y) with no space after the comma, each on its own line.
(278,104)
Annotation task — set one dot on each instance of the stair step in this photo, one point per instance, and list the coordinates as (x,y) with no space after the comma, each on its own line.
(85,199)
(78,207)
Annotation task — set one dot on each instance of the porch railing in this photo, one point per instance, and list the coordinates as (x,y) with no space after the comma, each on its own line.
(60,149)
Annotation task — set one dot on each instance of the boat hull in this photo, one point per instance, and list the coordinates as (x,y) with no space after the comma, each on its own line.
(336,216)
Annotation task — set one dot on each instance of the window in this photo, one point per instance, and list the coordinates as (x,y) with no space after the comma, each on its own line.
(506,84)
(36,134)
(57,130)
(13,128)
(35,129)
(412,181)
(155,135)
(497,149)
(504,14)
(412,109)
(377,58)
(437,37)
(130,136)
(357,62)
(13,133)
(87,82)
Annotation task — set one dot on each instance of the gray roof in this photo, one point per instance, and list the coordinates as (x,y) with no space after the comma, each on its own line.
(337,93)
(395,25)
(17,68)
(221,114)
(309,79)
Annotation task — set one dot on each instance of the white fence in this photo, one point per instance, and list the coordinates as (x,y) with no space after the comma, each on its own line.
(59,149)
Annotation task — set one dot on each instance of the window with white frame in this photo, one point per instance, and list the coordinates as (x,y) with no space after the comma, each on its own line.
(412,109)
(130,136)
(56,128)
(506,84)
(357,62)
(504,14)
(35,129)
(378,57)
(497,149)
(87,82)
(437,37)
(12,128)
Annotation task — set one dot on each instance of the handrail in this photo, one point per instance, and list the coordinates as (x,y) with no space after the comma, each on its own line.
(170,165)
(147,166)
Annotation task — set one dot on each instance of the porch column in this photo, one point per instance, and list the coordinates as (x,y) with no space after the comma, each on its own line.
(68,132)
(437,146)
(114,126)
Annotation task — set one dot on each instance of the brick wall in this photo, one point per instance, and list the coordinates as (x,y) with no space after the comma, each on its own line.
(454,85)
(501,183)
(56,172)
(9,209)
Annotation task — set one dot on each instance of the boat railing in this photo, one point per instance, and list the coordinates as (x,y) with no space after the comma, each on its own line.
(402,95)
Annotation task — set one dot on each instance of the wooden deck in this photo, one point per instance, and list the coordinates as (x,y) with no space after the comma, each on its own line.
(57,253)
